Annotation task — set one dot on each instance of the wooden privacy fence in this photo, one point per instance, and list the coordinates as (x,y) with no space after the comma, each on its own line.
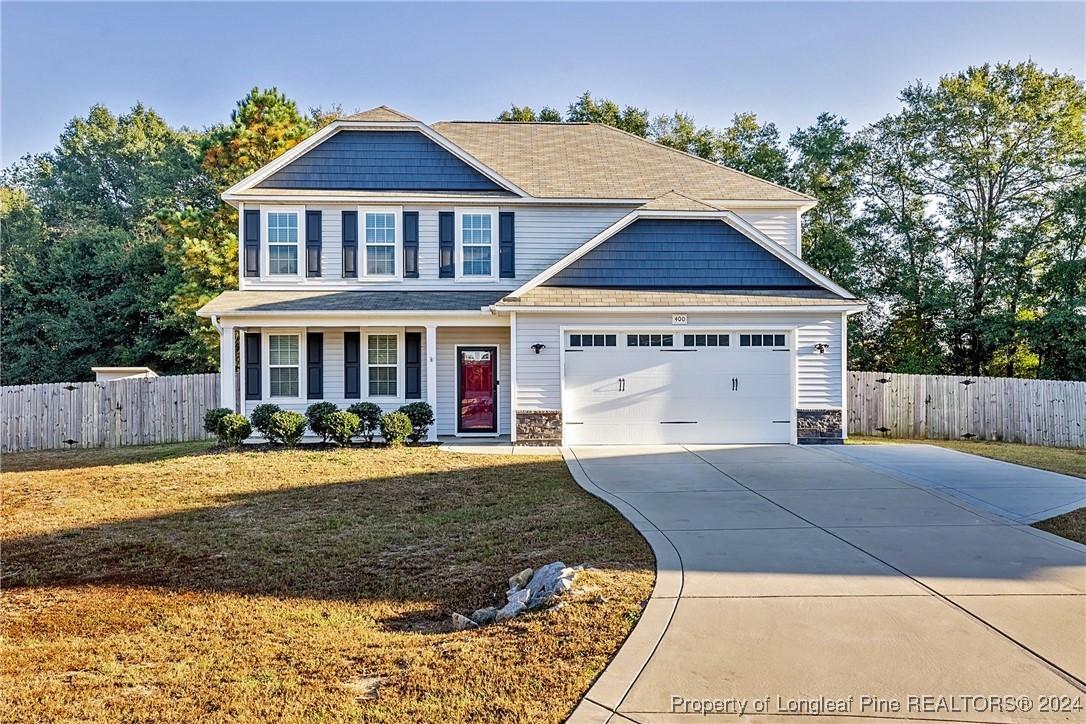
(937,407)
(106,414)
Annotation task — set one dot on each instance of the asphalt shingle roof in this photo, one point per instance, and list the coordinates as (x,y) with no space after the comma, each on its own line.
(597,297)
(590,160)
(237,302)
(380,114)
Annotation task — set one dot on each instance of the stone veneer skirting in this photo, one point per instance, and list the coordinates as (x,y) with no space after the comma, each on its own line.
(539,427)
(819,427)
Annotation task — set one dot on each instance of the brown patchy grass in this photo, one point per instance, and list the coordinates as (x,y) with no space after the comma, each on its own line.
(1068,461)
(163,583)
(1069,525)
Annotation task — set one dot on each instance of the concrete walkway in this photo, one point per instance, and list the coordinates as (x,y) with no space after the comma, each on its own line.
(797,582)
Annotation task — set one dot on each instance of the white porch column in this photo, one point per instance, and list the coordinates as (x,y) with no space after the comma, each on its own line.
(512,386)
(227,369)
(431,377)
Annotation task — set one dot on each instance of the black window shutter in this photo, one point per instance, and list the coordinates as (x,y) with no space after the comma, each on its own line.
(314,365)
(252,243)
(411,244)
(252,366)
(313,243)
(446,238)
(413,365)
(352,365)
(506,245)
(350,243)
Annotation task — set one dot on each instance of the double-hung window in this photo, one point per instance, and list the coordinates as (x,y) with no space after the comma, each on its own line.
(282,243)
(476,244)
(380,240)
(382,361)
(284,365)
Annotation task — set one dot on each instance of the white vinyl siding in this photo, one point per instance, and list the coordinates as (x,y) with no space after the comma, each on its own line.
(780,225)
(543,236)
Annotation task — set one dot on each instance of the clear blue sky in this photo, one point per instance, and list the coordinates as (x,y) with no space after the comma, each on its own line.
(786,62)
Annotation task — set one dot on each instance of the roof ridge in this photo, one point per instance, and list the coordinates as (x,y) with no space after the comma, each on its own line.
(523,123)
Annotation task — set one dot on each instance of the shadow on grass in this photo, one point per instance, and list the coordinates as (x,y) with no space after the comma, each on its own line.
(447,538)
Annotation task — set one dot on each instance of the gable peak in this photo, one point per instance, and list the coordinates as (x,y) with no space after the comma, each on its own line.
(382,114)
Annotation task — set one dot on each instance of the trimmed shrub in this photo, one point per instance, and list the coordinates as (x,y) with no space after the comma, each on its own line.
(261,417)
(395,427)
(317,414)
(213,417)
(369,418)
(287,427)
(342,426)
(421,416)
(234,429)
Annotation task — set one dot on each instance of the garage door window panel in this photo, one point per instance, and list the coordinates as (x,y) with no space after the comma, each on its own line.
(762,340)
(650,340)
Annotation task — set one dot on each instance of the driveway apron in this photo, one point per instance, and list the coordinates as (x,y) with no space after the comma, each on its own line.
(797,583)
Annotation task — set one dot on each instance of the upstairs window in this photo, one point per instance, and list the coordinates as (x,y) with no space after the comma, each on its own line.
(283,243)
(283,365)
(476,244)
(382,360)
(380,244)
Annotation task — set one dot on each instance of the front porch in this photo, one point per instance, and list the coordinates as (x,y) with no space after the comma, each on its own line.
(461,367)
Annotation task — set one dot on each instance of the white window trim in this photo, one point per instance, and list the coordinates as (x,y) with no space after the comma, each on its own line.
(398,333)
(459,255)
(267,366)
(397,254)
(265,243)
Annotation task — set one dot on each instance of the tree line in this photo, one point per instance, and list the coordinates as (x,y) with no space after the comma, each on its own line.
(961,218)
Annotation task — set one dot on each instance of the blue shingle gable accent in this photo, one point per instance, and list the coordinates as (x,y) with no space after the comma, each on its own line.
(379,161)
(676,253)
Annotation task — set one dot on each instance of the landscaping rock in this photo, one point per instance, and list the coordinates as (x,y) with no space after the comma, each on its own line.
(550,581)
(463,622)
(510,610)
(523,595)
(484,615)
(521,579)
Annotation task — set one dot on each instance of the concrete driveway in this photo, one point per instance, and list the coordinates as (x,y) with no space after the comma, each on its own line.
(803,582)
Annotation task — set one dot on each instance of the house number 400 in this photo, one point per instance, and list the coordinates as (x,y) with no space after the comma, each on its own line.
(678,319)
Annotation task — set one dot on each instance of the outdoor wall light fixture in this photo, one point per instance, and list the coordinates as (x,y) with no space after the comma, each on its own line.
(539,347)
(821,348)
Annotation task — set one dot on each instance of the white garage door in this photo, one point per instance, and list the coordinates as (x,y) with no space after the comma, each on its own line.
(698,387)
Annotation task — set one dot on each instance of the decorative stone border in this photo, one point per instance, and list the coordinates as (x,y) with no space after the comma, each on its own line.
(819,427)
(539,427)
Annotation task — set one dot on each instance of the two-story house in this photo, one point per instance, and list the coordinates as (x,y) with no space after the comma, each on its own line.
(551,282)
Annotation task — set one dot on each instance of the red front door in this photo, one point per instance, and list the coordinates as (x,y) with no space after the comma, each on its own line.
(477,373)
